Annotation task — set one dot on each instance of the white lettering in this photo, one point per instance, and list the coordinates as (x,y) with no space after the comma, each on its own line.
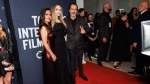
(29,36)
(39,42)
(34,19)
(28,32)
(36,31)
(19,31)
(25,33)
(38,19)
(32,43)
(24,44)
(31,31)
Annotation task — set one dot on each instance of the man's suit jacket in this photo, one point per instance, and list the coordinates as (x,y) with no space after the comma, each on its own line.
(74,37)
(137,30)
(104,22)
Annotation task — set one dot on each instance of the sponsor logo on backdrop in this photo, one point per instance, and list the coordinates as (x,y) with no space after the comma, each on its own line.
(39,54)
(0,20)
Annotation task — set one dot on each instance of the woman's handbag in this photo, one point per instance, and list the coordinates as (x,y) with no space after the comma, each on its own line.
(4,56)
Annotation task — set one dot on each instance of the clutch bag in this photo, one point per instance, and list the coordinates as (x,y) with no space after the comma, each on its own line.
(4,56)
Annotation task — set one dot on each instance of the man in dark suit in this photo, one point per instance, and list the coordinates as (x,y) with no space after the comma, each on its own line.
(104,34)
(144,15)
(76,28)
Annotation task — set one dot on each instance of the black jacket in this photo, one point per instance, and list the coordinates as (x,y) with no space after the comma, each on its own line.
(104,22)
(8,46)
(74,37)
(137,30)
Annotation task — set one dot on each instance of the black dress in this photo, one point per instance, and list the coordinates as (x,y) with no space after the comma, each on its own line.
(63,76)
(96,27)
(120,47)
(49,68)
(7,44)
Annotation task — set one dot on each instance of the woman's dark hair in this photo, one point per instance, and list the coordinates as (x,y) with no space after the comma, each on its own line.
(123,14)
(131,12)
(42,21)
(130,15)
(117,11)
(73,4)
(80,10)
(88,16)
(96,17)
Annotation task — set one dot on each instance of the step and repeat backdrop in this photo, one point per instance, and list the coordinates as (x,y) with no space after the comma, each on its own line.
(21,17)
(3,16)
(3,22)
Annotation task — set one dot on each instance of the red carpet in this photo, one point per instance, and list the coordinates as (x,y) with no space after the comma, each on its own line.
(104,75)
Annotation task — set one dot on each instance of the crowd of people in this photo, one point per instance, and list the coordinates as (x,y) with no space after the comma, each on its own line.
(121,34)
(85,34)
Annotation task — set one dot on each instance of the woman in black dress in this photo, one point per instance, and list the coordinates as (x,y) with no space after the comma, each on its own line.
(132,17)
(48,56)
(59,27)
(120,48)
(6,61)
(96,26)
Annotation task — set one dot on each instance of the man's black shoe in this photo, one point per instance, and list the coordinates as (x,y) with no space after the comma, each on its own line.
(90,59)
(83,77)
(133,67)
(107,60)
(94,56)
(100,64)
(73,79)
(134,73)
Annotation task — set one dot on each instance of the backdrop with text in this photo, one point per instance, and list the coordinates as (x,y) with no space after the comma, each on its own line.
(23,19)
(3,22)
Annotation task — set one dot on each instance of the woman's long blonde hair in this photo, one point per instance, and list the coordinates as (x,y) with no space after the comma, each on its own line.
(53,21)
(2,33)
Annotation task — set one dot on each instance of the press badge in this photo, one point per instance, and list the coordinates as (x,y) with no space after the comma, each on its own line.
(109,24)
(93,33)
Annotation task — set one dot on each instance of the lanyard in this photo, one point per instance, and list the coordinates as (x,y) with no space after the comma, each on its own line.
(92,26)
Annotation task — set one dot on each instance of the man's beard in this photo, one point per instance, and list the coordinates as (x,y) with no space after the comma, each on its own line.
(90,20)
(109,10)
(73,14)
